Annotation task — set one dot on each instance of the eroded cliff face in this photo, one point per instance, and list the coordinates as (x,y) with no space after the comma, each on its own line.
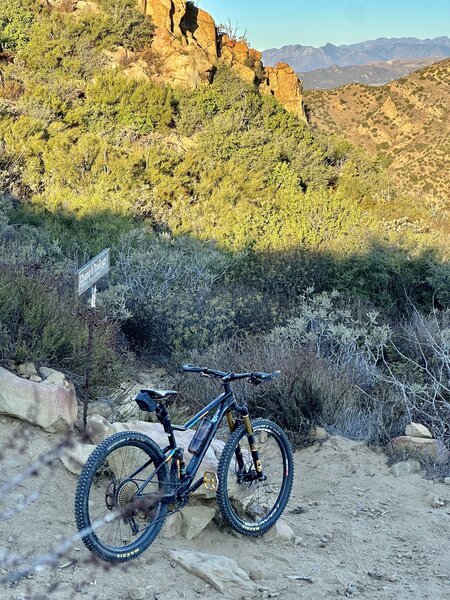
(188,46)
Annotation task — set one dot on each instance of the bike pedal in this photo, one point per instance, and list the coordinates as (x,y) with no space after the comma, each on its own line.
(210,481)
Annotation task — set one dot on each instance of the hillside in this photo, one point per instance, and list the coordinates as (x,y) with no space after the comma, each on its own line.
(307,58)
(376,73)
(406,120)
(230,219)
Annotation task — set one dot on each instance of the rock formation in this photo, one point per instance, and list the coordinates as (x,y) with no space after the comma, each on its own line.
(187,45)
(282,82)
(185,42)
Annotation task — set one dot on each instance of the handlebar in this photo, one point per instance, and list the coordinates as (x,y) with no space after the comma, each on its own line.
(255,377)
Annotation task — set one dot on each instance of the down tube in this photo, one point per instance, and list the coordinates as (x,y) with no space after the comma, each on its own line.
(196,460)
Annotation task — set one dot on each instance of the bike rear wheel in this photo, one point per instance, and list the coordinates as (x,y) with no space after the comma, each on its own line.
(118,519)
(251,506)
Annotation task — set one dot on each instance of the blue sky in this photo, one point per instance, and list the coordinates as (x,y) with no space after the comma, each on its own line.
(275,23)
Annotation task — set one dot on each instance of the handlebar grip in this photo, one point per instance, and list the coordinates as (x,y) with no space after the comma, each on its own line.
(192,369)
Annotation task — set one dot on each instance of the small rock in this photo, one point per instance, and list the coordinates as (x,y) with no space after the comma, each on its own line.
(27,370)
(100,408)
(447,480)
(405,467)
(418,430)
(195,519)
(256,574)
(437,503)
(318,433)
(75,457)
(172,526)
(136,594)
(54,377)
(35,378)
(97,428)
(351,590)
(279,532)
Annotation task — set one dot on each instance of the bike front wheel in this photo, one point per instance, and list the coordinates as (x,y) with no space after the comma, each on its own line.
(250,505)
(118,500)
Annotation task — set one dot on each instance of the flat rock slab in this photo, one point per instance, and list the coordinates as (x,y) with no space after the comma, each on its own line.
(221,572)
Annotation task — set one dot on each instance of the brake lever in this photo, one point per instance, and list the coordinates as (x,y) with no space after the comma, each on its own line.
(254,380)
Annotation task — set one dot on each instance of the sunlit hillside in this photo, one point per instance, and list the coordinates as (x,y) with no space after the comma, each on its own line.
(407,121)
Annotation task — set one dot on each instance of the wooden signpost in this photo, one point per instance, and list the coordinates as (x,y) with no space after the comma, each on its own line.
(87,276)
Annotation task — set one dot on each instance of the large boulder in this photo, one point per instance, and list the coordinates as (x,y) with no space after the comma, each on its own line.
(50,406)
(199,26)
(181,62)
(184,45)
(427,448)
(164,13)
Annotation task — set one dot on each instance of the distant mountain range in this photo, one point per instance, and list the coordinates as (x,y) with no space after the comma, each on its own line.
(308,58)
(371,74)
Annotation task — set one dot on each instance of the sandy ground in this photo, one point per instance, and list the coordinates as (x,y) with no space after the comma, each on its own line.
(364,532)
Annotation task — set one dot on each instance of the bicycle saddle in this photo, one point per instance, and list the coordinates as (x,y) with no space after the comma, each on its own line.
(160,394)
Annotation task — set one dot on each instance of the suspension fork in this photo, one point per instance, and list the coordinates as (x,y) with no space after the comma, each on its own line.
(251,441)
(238,452)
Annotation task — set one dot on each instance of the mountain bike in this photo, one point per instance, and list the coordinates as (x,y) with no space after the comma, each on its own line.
(129,485)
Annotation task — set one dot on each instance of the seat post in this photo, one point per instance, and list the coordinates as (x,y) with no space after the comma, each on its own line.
(163,417)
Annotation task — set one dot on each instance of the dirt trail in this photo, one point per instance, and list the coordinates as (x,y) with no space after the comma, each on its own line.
(363,533)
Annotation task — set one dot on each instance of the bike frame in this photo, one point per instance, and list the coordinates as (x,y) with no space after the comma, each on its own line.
(184,487)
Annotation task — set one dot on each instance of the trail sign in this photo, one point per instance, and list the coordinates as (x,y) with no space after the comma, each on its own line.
(88,276)
(91,272)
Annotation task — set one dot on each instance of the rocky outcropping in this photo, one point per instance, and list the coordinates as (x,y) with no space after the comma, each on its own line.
(187,45)
(282,82)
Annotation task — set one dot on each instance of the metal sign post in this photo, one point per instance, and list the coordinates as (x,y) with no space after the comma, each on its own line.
(88,275)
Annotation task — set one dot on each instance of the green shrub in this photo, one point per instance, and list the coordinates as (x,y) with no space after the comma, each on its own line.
(169,293)
(310,391)
(113,102)
(60,43)
(16,20)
